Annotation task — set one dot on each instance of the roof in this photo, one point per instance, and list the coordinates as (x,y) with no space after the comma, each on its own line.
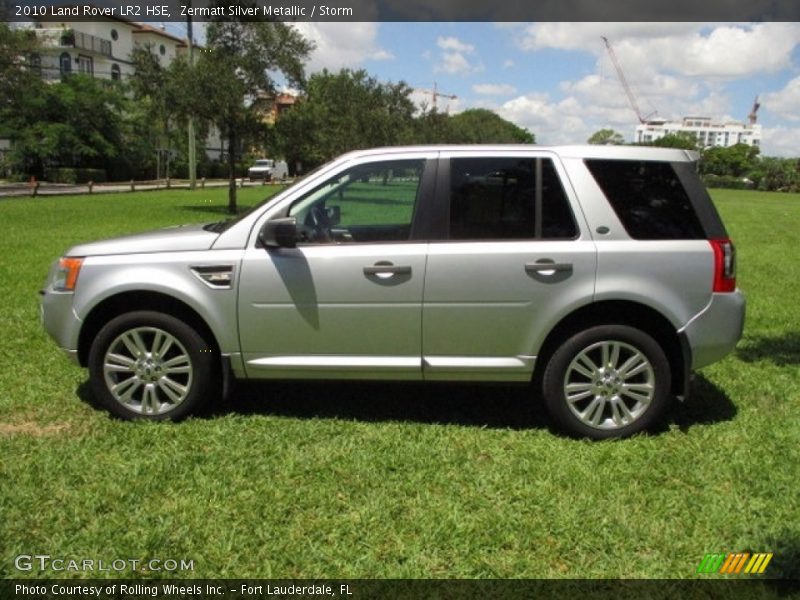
(573,151)
(144,28)
(136,25)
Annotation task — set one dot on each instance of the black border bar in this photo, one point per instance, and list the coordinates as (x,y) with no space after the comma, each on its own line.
(360,589)
(404,10)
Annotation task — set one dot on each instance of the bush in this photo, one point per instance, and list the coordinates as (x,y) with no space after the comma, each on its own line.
(219,169)
(61,175)
(728,182)
(74,175)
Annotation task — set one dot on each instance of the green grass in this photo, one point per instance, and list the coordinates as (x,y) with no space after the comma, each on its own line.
(393,481)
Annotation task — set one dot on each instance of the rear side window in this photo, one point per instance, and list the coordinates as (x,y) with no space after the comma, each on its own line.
(508,198)
(648,198)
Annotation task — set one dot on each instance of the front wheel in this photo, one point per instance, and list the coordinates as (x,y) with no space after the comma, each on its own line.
(607,381)
(149,365)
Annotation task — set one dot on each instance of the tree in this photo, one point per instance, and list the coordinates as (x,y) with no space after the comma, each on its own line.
(777,174)
(481,126)
(237,64)
(74,123)
(20,83)
(431,127)
(733,161)
(344,111)
(606,137)
(166,96)
(682,139)
(18,70)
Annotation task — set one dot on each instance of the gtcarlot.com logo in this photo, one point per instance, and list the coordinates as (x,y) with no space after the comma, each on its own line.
(45,562)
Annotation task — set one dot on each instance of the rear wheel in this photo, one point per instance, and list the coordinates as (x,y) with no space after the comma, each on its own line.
(607,381)
(149,365)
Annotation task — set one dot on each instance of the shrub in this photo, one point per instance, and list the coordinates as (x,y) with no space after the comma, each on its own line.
(728,182)
(74,175)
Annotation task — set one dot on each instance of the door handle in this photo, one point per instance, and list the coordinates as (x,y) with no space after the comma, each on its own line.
(546,266)
(387,270)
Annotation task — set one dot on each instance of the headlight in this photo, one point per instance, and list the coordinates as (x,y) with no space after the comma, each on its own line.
(66,275)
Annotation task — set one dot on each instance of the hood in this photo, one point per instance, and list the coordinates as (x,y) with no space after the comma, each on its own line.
(181,238)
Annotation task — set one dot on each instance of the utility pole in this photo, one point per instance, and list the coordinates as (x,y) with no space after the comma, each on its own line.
(190,124)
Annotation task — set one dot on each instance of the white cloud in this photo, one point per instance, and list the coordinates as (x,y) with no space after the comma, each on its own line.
(381,55)
(785,102)
(780,141)
(341,45)
(674,70)
(454,44)
(508,63)
(453,59)
(494,89)
(453,63)
(690,49)
(586,36)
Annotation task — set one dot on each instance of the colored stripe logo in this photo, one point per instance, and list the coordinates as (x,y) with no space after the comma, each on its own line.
(735,563)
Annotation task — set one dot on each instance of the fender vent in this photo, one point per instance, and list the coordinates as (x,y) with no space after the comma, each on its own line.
(218,277)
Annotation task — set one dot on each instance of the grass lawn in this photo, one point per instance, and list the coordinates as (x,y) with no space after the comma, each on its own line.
(395,481)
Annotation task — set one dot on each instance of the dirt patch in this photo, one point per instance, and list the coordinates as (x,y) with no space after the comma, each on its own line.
(33,428)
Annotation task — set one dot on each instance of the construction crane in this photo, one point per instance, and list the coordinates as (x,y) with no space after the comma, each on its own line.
(753,116)
(624,81)
(435,94)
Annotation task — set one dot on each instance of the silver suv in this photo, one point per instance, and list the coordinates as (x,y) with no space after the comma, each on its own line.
(601,275)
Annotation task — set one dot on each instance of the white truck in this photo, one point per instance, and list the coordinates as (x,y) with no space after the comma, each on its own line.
(268,170)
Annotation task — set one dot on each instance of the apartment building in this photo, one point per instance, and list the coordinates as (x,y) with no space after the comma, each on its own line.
(709,133)
(101,48)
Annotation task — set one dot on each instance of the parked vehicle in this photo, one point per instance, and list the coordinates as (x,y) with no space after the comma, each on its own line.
(600,275)
(267,169)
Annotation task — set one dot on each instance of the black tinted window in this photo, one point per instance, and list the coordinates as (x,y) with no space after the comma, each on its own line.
(508,198)
(648,198)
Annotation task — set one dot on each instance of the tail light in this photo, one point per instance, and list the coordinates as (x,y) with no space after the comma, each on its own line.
(724,265)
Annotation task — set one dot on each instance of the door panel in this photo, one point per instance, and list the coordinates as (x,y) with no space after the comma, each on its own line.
(313,311)
(485,313)
(515,261)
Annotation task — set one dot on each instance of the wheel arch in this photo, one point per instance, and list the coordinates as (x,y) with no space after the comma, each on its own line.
(124,302)
(622,312)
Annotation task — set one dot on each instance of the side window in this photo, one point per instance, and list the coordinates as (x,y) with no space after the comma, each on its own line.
(648,198)
(508,199)
(372,202)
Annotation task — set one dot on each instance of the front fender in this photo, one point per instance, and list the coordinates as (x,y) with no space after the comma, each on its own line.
(103,277)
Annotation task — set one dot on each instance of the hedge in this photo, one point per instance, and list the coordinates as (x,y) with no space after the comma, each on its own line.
(76,175)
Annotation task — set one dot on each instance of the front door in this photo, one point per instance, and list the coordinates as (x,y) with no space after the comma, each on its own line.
(347,301)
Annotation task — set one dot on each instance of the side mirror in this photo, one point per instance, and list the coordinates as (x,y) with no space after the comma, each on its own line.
(279,233)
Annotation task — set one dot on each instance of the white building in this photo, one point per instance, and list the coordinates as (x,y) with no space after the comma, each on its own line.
(707,132)
(101,48)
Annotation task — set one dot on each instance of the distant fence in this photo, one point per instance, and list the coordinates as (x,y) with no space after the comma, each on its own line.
(36,188)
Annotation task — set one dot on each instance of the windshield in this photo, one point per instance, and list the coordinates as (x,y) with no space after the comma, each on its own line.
(221,226)
(263,163)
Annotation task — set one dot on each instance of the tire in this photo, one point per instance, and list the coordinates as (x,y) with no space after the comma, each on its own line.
(152,366)
(608,381)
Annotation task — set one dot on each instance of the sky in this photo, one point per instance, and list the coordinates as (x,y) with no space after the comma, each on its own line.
(557,79)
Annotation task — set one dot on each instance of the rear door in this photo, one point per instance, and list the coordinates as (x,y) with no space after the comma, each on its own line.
(513,257)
